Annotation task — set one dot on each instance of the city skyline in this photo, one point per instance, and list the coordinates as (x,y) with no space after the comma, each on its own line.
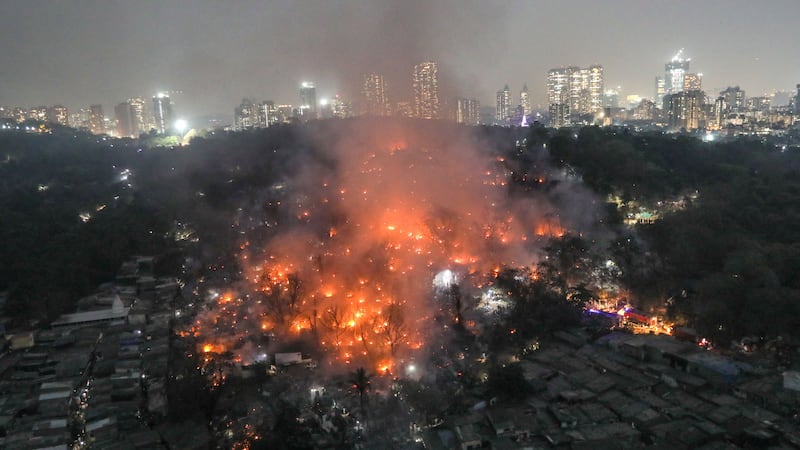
(106,52)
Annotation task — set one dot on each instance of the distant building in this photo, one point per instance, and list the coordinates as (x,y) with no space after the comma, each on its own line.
(404,109)
(758,104)
(467,111)
(573,92)
(503,108)
(162,113)
(611,99)
(124,118)
(341,108)
(693,82)
(525,100)
(645,110)
(38,113)
(308,101)
(267,114)
(245,116)
(426,90)
(797,101)
(734,99)
(97,119)
(683,110)
(675,73)
(661,91)
(141,123)
(558,95)
(58,114)
(374,96)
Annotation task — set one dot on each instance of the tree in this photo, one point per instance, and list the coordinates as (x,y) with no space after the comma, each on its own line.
(361,383)
(334,321)
(393,327)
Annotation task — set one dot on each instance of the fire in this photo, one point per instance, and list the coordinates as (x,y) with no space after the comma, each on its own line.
(353,262)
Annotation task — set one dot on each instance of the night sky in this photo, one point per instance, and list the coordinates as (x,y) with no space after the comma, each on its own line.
(104,51)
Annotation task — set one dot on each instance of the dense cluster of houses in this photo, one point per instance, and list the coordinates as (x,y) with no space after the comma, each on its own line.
(633,391)
(97,377)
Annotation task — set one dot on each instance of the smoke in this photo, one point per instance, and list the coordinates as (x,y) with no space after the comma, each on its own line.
(378,209)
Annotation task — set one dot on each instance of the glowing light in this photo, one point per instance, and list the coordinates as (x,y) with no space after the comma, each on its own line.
(181,125)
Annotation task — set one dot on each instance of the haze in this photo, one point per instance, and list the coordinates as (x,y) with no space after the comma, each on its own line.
(101,51)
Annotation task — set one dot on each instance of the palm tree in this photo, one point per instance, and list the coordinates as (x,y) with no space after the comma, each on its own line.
(360,380)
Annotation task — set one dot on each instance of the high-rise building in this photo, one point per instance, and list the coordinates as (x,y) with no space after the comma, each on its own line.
(661,91)
(267,114)
(684,109)
(404,109)
(374,96)
(572,92)
(797,101)
(734,99)
(162,113)
(308,101)
(426,90)
(611,99)
(525,100)
(645,110)
(58,114)
(467,111)
(342,108)
(97,119)
(503,106)
(558,95)
(245,116)
(693,82)
(139,115)
(675,73)
(595,87)
(123,113)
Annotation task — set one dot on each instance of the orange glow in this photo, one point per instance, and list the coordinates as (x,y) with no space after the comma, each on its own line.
(371,240)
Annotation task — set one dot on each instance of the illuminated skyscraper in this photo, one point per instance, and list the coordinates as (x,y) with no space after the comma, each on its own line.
(595,86)
(162,113)
(267,114)
(467,111)
(373,94)
(426,90)
(58,114)
(308,101)
(684,109)
(245,116)
(525,100)
(130,118)
(503,110)
(97,119)
(734,99)
(693,82)
(138,115)
(558,95)
(661,91)
(675,73)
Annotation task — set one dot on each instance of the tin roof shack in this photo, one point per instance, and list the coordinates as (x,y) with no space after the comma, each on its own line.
(770,392)
(117,312)
(720,371)
(687,433)
(511,421)
(21,341)
(468,437)
(610,435)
